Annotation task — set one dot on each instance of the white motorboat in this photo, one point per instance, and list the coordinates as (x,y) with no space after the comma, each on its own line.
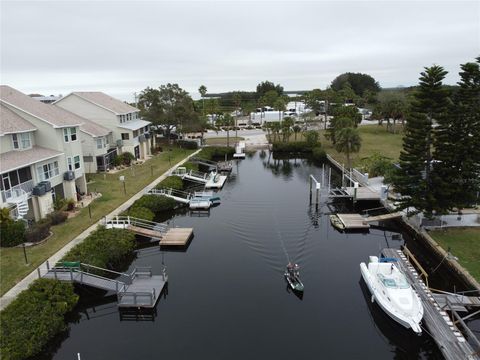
(392,292)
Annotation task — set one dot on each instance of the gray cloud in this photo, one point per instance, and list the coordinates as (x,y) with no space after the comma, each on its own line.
(124,46)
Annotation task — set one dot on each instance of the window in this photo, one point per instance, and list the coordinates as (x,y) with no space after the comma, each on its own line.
(70,134)
(76,162)
(125,136)
(135,134)
(48,171)
(69,163)
(141,130)
(21,141)
(99,143)
(146,128)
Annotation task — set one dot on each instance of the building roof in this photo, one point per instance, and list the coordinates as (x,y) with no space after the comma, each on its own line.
(13,160)
(93,129)
(106,101)
(11,122)
(53,115)
(134,125)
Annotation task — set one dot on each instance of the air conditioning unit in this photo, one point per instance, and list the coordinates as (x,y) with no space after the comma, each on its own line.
(69,175)
(119,142)
(39,190)
(46,184)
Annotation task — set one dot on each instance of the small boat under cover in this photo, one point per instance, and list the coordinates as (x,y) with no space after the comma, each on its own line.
(392,292)
(292,275)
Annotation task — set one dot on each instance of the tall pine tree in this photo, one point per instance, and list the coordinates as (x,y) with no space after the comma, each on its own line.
(457,144)
(414,178)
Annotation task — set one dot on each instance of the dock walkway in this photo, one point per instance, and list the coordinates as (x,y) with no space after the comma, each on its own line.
(444,332)
(140,289)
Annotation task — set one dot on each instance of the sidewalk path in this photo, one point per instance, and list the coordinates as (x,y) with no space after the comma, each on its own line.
(11,294)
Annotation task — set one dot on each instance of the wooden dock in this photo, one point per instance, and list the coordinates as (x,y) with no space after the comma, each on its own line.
(353,221)
(176,236)
(145,232)
(444,332)
(362,193)
(383,217)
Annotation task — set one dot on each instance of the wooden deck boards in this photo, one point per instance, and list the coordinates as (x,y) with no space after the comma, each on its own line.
(450,341)
(145,232)
(383,217)
(177,236)
(143,292)
(353,221)
(363,193)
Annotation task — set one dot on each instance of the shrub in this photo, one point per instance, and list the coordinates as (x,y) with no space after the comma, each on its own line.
(140,213)
(311,138)
(59,203)
(105,248)
(38,231)
(155,203)
(117,161)
(70,205)
(377,165)
(12,233)
(187,144)
(173,182)
(30,321)
(191,166)
(127,158)
(58,217)
(318,154)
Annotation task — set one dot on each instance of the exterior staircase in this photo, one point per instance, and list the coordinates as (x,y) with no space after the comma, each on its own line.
(19,197)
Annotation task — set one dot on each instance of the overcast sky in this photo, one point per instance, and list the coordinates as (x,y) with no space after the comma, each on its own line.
(120,47)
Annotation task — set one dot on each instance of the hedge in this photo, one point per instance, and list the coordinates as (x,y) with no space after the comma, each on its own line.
(216,152)
(173,182)
(105,248)
(38,231)
(30,321)
(292,147)
(318,154)
(155,203)
(12,233)
(140,213)
(58,217)
(186,144)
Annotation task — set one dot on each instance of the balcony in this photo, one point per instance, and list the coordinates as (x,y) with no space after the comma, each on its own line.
(16,192)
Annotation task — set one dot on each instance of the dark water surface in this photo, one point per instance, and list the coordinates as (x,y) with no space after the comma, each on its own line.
(227,297)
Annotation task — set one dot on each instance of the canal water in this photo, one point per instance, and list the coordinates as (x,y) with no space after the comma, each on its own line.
(227,297)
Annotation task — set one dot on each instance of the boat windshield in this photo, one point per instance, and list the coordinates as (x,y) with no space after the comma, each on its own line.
(398,281)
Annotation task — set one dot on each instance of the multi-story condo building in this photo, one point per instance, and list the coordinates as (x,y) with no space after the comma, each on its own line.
(41,155)
(129,132)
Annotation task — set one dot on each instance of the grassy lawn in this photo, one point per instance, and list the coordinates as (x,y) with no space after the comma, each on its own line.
(464,243)
(374,139)
(12,262)
(222,141)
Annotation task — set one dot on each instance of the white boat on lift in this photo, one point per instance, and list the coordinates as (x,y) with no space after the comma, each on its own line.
(392,292)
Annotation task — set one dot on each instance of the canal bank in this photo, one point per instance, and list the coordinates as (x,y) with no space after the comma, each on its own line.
(227,296)
(11,294)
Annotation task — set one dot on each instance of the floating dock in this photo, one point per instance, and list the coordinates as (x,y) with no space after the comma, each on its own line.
(216,182)
(177,237)
(442,329)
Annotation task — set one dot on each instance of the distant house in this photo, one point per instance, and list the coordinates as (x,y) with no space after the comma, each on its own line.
(40,155)
(129,132)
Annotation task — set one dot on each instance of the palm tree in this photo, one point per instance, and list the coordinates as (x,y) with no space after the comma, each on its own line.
(296,130)
(348,141)
(203,91)
(228,121)
(280,106)
(237,100)
(286,126)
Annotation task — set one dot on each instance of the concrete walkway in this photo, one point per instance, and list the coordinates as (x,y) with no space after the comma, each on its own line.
(11,294)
